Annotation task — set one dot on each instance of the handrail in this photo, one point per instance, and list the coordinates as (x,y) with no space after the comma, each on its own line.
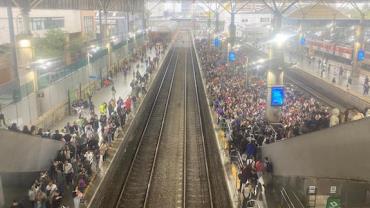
(286,198)
(294,202)
(256,203)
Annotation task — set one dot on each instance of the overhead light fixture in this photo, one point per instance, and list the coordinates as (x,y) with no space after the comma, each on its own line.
(24,43)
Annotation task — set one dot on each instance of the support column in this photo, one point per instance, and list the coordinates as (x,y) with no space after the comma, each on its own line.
(2,198)
(16,91)
(275,74)
(300,46)
(106,29)
(144,21)
(106,40)
(232,29)
(26,20)
(217,15)
(358,44)
(209,28)
(100,29)
(128,23)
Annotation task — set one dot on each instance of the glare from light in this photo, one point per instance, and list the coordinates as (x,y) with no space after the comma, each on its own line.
(24,43)
(280,39)
(261,60)
(236,46)
(351,38)
(40,61)
(94,49)
(131,35)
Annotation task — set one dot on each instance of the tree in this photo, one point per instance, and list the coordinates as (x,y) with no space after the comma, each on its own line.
(52,45)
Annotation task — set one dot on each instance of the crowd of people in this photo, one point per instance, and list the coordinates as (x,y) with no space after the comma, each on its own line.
(240,106)
(334,70)
(88,139)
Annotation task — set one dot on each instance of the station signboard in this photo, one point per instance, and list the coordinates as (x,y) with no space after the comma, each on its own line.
(333,202)
(361,55)
(302,41)
(232,56)
(277,95)
(217,42)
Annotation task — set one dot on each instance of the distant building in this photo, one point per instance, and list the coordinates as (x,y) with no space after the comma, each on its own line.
(72,22)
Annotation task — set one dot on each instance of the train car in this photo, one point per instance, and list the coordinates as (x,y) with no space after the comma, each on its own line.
(341,52)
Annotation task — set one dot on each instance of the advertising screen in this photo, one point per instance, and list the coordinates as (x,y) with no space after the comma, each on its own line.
(232,56)
(277,96)
(361,55)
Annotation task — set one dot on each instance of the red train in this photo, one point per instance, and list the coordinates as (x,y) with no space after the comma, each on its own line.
(334,49)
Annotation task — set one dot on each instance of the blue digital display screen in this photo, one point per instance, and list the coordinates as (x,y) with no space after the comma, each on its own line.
(302,41)
(361,55)
(217,42)
(277,96)
(232,56)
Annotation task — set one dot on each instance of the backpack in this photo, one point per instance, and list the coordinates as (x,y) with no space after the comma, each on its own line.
(269,167)
(81,183)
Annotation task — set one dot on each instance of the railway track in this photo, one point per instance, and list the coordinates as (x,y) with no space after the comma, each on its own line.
(169,168)
(326,99)
(197,188)
(137,183)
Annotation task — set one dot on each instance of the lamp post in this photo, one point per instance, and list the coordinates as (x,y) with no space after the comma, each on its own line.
(246,71)
(275,73)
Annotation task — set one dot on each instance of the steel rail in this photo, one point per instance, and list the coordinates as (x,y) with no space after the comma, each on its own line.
(160,135)
(201,130)
(146,127)
(185,136)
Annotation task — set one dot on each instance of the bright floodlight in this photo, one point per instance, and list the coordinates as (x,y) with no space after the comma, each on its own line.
(280,39)
(261,60)
(24,43)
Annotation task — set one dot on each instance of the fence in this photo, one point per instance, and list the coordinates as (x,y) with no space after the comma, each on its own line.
(74,81)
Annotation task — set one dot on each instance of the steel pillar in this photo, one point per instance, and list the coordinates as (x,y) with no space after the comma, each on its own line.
(26,20)
(217,26)
(144,22)
(128,22)
(100,29)
(106,29)
(232,29)
(275,74)
(16,91)
(358,44)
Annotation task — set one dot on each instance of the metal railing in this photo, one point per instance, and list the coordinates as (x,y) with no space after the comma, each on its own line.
(290,199)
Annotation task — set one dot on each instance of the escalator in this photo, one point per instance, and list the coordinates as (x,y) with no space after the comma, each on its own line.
(333,161)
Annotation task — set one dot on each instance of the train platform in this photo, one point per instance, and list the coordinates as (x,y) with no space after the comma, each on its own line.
(231,168)
(334,76)
(121,83)
(123,89)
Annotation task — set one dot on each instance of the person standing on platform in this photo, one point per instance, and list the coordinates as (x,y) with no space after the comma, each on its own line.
(2,121)
(341,71)
(366,88)
(349,82)
(113,92)
(77,196)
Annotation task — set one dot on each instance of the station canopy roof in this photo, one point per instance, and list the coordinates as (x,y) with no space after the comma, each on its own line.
(138,5)
(108,5)
(317,11)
